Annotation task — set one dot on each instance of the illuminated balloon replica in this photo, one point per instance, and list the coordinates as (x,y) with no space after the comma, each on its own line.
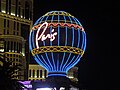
(57,42)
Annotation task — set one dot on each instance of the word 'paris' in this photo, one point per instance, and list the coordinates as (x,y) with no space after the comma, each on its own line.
(42,36)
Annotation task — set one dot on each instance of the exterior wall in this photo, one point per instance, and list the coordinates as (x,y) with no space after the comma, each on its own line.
(36,72)
(15,23)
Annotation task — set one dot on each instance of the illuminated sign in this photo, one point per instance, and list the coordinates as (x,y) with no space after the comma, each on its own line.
(57,42)
(42,36)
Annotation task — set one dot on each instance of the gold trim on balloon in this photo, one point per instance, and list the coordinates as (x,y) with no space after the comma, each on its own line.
(67,49)
(60,13)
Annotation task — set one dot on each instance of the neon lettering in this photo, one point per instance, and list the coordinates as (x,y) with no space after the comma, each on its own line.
(42,36)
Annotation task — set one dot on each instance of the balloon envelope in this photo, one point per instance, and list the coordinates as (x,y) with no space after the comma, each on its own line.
(57,42)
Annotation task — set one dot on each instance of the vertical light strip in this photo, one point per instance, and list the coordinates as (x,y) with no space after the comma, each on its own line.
(58,31)
(72,36)
(65,45)
(30,38)
(58,39)
(58,63)
(33,41)
(49,61)
(78,45)
(64,52)
(51,45)
(61,66)
(82,40)
(72,32)
(70,19)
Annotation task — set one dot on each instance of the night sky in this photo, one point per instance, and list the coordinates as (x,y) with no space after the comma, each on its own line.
(99,66)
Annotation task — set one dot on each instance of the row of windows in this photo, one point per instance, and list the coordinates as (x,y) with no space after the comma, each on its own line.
(11,46)
(14,59)
(7,28)
(37,73)
(13,55)
(16,9)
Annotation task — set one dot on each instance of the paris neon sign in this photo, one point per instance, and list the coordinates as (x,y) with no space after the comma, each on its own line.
(42,36)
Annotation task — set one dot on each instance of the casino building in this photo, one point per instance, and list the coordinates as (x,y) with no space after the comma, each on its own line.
(15,22)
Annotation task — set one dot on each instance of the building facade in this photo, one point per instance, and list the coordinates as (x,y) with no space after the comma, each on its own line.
(16,17)
(36,72)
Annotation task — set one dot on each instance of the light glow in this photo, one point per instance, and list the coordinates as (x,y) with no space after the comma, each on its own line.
(13,14)
(3,11)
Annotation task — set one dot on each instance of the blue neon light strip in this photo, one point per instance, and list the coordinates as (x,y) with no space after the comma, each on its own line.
(74,63)
(33,43)
(51,45)
(62,62)
(69,63)
(72,32)
(66,62)
(78,38)
(78,22)
(64,19)
(58,64)
(50,42)
(72,36)
(58,40)
(56,75)
(70,19)
(58,31)
(49,61)
(53,62)
(64,53)
(37,21)
(65,45)
(30,38)
(82,40)
(41,62)
(45,62)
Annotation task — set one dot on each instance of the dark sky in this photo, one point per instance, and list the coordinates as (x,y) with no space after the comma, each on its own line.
(99,66)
